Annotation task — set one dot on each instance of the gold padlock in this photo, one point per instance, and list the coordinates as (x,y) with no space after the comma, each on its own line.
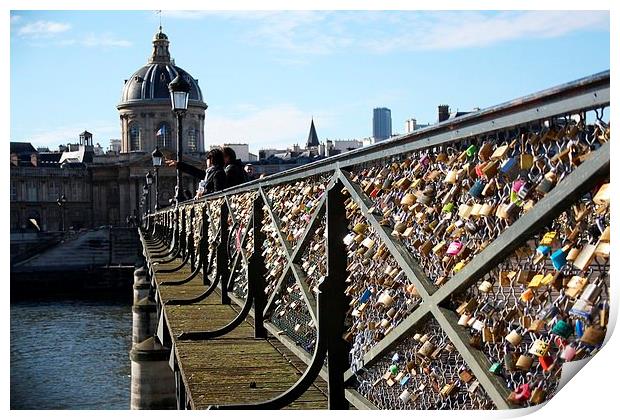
(524,362)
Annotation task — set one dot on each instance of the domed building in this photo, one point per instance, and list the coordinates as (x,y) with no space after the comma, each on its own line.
(145,109)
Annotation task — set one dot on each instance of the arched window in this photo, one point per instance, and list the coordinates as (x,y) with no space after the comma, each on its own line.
(164,135)
(134,136)
(192,139)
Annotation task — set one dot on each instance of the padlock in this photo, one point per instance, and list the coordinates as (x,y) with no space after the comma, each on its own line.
(466,376)
(538,395)
(521,394)
(486,286)
(476,189)
(592,291)
(447,389)
(496,368)
(405,396)
(539,348)
(510,169)
(524,362)
(582,308)
(547,182)
(427,349)
(475,341)
(602,195)
(509,360)
(546,362)
(514,338)
(568,353)
(526,162)
(593,335)
(562,328)
(454,248)
(385,299)
(558,258)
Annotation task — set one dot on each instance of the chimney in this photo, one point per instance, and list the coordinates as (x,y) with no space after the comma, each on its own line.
(443,113)
(34,159)
(14,159)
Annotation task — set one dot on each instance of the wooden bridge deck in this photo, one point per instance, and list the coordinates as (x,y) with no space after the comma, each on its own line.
(220,371)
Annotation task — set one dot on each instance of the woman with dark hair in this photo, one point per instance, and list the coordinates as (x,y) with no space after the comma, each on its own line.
(213,179)
(235,174)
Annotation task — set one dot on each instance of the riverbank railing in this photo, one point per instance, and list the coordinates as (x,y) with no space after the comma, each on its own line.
(458,266)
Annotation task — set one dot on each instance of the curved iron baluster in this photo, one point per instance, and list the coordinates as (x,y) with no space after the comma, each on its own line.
(205,335)
(306,380)
(185,280)
(172,270)
(201,296)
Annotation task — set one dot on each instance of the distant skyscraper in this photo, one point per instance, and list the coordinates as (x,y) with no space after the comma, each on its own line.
(381,124)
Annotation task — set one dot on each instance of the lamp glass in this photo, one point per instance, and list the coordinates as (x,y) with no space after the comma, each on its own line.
(179,100)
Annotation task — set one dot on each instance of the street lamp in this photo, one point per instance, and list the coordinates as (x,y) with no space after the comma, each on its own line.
(158,158)
(61,201)
(149,182)
(179,95)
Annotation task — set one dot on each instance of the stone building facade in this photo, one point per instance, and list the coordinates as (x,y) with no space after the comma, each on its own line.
(107,189)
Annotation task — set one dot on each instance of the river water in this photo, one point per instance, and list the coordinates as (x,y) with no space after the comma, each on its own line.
(70,354)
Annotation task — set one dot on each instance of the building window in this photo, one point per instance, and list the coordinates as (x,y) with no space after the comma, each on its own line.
(164,135)
(31,191)
(192,140)
(53,190)
(134,136)
(13,191)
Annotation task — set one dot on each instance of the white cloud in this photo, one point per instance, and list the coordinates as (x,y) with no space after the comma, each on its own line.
(453,30)
(91,41)
(279,126)
(324,32)
(42,28)
(15,18)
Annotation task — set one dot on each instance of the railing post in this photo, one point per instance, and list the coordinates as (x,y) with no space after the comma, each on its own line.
(222,254)
(337,353)
(190,238)
(257,270)
(204,246)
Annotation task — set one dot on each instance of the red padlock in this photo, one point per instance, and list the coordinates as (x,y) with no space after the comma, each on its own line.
(545,362)
(523,392)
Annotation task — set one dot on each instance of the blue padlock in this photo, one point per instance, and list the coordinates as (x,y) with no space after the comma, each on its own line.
(510,169)
(543,249)
(558,258)
(365,296)
(476,189)
(579,328)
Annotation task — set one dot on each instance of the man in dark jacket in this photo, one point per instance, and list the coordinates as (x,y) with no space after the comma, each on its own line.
(235,174)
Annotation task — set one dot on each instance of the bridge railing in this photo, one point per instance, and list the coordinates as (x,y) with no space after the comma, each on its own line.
(459,266)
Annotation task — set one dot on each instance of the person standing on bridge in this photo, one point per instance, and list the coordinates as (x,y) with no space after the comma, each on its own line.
(235,174)
(213,179)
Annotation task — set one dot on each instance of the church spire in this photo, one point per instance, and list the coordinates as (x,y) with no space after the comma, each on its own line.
(313,139)
(161,53)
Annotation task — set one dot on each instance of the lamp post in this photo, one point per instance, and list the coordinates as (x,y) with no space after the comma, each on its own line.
(179,95)
(149,182)
(158,158)
(61,201)
(145,201)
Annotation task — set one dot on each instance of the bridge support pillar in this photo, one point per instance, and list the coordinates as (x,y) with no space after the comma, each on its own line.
(144,320)
(141,284)
(152,381)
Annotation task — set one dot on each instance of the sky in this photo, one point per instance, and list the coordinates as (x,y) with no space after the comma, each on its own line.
(265,74)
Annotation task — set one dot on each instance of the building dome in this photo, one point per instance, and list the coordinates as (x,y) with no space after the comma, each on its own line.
(145,111)
(150,82)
